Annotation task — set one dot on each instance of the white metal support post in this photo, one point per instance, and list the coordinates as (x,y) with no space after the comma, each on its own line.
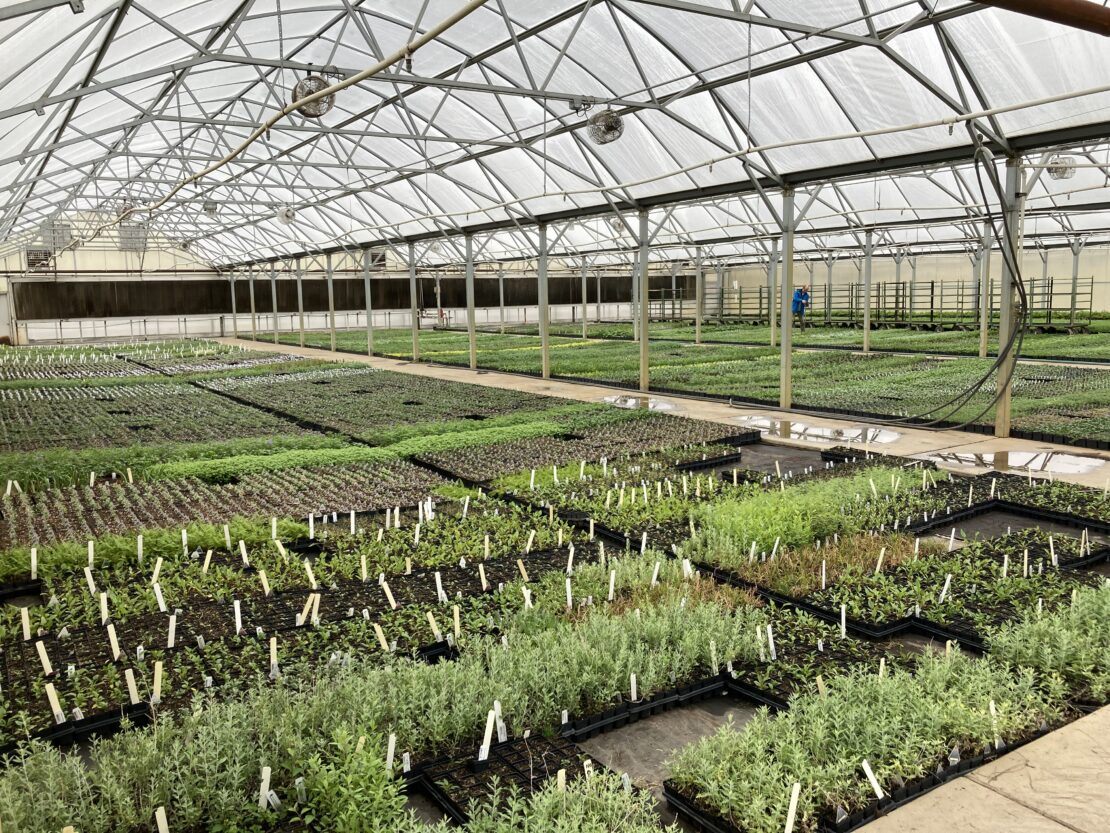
(1076,245)
(541,297)
(471,329)
(699,293)
(786,304)
(899,256)
(501,295)
(234,311)
(772,281)
(273,298)
(976,276)
(1046,296)
(369,302)
(985,291)
(830,259)
(913,284)
(331,300)
(1007,321)
(597,300)
(254,315)
(300,300)
(414,312)
(636,301)
(585,314)
(868,251)
(645,310)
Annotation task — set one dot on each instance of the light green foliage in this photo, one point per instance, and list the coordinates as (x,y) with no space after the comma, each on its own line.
(598,804)
(1073,642)
(796,515)
(903,724)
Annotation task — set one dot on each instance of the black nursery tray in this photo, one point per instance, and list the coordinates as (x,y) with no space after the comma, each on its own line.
(527,765)
(101,725)
(16,589)
(688,807)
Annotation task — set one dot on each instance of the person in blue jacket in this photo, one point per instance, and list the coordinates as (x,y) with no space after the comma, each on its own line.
(800,304)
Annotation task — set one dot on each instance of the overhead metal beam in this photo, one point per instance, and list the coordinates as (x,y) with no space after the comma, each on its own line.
(32,6)
(940,157)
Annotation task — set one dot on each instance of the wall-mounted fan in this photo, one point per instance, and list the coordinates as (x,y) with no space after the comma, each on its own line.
(286,215)
(312,84)
(604,127)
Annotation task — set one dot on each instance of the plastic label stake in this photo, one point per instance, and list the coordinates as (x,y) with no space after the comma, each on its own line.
(55,706)
(207,562)
(171,635)
(487,738)
(523,572)
(156,695)
(264,789)
(132,689)
(25,621)
(872,781)
(792,810)
(47,668)
(389,595)
(160,820)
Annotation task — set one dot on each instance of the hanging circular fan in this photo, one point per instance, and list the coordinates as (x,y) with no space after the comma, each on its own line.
(1061,167)
(310,85)
(604,127)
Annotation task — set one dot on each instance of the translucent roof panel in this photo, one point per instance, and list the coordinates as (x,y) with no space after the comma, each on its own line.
(723,105)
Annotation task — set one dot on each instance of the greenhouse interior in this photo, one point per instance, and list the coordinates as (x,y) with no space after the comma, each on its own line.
(716,433)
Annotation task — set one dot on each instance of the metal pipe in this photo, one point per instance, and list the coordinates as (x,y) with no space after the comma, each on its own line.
(273,298)
(300,299)
(645,308)
(699,292)
(772,280)
(234,312)
(985,290)
(541,297)
(369,302)
(1006,320)
(254,315)
(331,301)
(1078,14)
(868,250)
(501,295)
(471,330)
(1076,247)
(414,313)
(585,324)
(786,303)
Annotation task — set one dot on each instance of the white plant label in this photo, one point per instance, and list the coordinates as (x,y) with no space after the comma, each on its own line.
(160,820)
(523,572)
(612,584)
(25,622)
(482,576)
(311,575)
(171,634)
(487,738)
(238,616)
(90,582)
(265,582)
(456,615)
(792,809)
(55,706)
(227,538)
(435,628)
(35,563)
(132,689)
(821,686)
(843,621)
(378,632)
(158,597)
(390,752)
(104,608)
(632,688)
(207,562)
(156,695)
(946,588)
(92,553)
(264,789)
(655,574)
(389,594)
(47,668)
(871,780)
(157,571)
(528,546)
(771,644)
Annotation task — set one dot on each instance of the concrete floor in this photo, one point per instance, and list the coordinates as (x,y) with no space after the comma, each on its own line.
(1054,785)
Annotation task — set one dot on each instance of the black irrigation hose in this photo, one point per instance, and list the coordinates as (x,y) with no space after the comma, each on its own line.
(1017,333)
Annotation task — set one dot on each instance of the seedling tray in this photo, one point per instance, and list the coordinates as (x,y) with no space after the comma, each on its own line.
(687,807)
(528,765)
(709,463)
